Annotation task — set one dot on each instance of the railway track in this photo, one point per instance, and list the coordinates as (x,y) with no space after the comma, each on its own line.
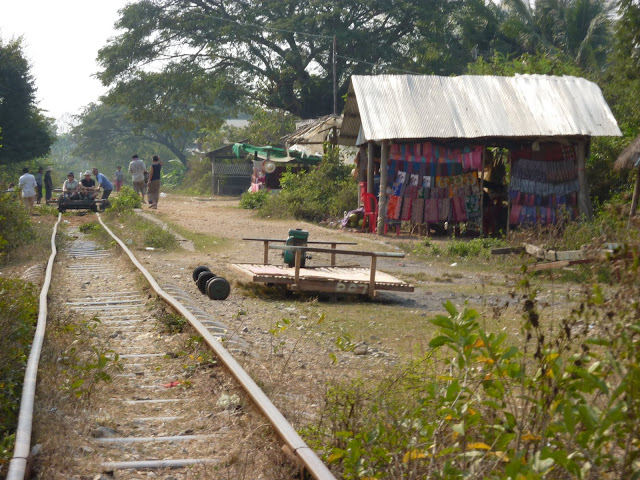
(152,404)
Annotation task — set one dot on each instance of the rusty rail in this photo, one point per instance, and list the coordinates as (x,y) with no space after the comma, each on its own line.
(292,439)
(18,464)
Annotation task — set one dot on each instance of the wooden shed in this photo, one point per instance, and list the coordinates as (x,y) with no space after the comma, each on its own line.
(434,139)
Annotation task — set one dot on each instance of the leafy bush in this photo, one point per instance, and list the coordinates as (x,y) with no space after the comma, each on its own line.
(562,403)
(156,237)
(325,191)
(126,200)
(18,315)
(15,225)
(254,200)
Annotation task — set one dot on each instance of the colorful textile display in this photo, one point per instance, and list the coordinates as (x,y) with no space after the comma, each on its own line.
(427,178)
(544,185)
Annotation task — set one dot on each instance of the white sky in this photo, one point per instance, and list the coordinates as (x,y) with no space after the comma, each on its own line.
(61,42)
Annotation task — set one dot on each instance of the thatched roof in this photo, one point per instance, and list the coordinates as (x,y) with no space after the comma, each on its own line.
(629,156)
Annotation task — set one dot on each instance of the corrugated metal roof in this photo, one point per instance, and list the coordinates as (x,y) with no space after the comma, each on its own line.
(387,107)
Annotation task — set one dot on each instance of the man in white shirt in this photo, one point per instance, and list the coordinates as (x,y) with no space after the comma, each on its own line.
(28,185)
(137,170)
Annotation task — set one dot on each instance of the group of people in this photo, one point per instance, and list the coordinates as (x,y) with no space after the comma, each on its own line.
(145,183)
(87,187)
(32,186)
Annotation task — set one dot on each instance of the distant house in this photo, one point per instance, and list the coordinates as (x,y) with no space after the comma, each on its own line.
(433,137)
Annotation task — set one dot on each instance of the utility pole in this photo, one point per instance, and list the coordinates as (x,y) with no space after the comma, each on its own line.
(335,88)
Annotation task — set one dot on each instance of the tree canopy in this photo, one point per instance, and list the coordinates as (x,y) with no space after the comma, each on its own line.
(26,132)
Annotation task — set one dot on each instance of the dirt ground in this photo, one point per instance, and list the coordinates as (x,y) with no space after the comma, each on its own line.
(295,345)
(299,342)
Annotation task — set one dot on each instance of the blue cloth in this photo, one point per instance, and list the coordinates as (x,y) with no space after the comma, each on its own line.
(104,182)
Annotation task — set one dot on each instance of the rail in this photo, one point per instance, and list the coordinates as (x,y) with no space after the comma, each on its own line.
(295,445)
(18,464)
(294,442)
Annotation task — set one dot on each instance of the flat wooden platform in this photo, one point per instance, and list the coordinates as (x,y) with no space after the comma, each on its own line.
(355,280)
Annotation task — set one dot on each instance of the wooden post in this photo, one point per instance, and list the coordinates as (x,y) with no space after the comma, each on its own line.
(372,277)
(333,255)
(299,254)
(508,197)
(266,252)
(584,203)
(384,174)
(370,166)
(636,194)
(213,175)
(482,194)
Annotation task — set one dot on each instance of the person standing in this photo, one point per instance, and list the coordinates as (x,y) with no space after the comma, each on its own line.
(38,177)
(137,171)
(48,185)
(118,178)
(154,182)
(28,185)
(104,183)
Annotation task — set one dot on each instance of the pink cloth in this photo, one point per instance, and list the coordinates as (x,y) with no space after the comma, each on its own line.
(459,209)
(406,209)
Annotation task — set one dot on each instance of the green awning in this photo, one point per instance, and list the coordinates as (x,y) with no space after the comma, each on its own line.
(274,154)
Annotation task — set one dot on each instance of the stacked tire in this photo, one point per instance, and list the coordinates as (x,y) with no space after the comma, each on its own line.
(216,288)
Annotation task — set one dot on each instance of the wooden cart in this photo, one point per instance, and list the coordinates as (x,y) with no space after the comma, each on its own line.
(332,278)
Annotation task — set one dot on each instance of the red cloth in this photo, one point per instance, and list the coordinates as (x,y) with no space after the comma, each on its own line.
(393,208)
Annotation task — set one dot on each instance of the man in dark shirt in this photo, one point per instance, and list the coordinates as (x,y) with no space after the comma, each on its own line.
(87,186)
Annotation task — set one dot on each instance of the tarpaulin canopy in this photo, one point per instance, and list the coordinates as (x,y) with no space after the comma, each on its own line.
(275,154)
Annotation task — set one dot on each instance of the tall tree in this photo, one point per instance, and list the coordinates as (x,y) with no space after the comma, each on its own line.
(279,53)
(105,132)
(26,132)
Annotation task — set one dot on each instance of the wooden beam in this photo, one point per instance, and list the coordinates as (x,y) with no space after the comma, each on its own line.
(507,250)
(360,253)
(372,278)
(370,166)
(384,180)
(559,264)
(584,202)
(636,194)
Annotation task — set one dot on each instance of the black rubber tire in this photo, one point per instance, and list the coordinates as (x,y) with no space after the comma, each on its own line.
(203,278)
(218,288)
(198,270)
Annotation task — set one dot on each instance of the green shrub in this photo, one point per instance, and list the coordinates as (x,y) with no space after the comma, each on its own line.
(126,200)
(15,224)
(254,200)
(90,227)
(18,315)
(325,191)
(563,402)
(156,237)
